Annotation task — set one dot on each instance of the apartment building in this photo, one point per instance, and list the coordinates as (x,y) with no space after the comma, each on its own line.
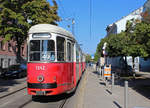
(146,11)
(120,25)
(8,53)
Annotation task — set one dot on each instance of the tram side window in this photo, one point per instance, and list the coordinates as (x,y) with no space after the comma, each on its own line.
(73,52)
(69,51)
(60,48)
(77,54)
(35,50)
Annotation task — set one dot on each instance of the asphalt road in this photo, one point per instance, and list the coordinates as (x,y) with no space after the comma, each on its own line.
(15,100)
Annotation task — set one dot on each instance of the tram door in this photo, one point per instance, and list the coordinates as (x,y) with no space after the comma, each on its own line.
(77,63)
(70,60)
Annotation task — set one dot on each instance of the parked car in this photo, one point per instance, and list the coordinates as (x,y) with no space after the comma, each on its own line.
(19,70)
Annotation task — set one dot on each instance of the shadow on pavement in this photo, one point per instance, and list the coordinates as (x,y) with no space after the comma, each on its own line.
(96,72)
(6,84)
(140,85)
(119,82)
(102,83)
(109,91)
(117,104)
(3,89)
(46,99)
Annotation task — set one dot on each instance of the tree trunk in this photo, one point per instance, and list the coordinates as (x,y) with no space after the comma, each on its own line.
(133,68)
(133,62)
(18,54)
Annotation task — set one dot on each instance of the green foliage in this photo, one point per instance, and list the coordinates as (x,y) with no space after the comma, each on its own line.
(39,11)
(117,45)
(88,58)
(142,38)
(17,16)
(96,57)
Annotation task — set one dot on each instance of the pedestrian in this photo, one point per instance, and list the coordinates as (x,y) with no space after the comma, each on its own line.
(97,66)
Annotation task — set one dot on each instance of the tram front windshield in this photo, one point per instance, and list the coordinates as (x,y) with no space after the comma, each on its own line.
(42,50)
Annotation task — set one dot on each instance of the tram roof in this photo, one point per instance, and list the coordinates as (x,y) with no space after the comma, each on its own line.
(40,28)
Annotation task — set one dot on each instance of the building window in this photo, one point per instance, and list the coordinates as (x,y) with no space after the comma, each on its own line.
(22,51)
(1,45)
(9,47)
(9,62)
(2,62)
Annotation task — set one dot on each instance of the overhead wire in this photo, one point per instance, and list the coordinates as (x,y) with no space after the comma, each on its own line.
(63,15)
(90,19)
(71,18)
(61,10)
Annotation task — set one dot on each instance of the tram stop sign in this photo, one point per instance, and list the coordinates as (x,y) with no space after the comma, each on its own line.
(107,71)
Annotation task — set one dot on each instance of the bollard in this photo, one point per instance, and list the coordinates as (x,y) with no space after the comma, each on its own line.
(106,81)
(112,83)
(100,72)
(103,74)
(126,94)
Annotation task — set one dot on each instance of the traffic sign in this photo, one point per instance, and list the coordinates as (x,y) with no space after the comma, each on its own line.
(107,71)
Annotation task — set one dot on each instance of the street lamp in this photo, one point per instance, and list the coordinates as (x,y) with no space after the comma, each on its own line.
(73,22)
(104,52)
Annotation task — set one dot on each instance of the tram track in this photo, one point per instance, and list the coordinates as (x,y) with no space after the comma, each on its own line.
(8,94)
(14,90)
(63,103)
(54,104)
(26,103)
(28,100)
(14,99)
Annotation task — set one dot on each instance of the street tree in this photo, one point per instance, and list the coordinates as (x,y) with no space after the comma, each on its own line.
(88,58)
(142,38)
(17,16)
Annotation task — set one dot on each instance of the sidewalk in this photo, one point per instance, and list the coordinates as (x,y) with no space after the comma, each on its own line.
(145,74)
(97,95)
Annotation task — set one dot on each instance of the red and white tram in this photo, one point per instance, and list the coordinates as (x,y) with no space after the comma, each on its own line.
(55,60)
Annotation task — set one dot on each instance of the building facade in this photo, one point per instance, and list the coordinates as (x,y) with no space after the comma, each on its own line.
(8,53)
(120,25)
(146,11)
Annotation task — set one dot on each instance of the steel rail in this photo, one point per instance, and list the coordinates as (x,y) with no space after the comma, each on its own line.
(63,103)
(26,103)
(12,92)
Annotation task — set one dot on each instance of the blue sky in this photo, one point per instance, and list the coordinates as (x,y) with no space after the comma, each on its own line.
(104,12)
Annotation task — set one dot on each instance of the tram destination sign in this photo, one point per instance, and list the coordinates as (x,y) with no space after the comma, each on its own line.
(41,35)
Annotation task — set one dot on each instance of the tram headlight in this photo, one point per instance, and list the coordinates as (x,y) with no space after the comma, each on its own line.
(40,78)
